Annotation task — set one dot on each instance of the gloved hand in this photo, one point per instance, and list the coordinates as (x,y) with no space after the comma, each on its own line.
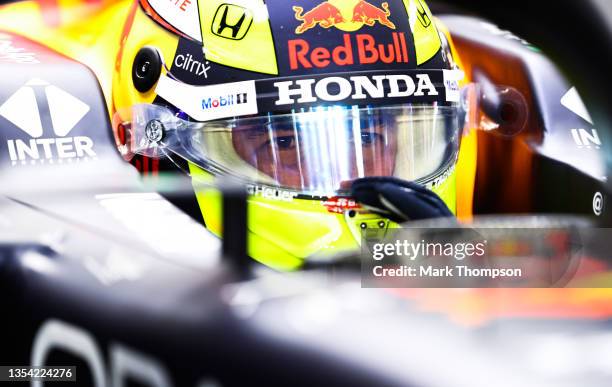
(398,200)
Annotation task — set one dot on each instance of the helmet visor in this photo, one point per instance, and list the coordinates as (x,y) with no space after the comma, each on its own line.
(318,151)
(321,150)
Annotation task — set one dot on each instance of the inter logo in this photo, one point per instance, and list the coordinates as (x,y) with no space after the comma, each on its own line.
(47,114)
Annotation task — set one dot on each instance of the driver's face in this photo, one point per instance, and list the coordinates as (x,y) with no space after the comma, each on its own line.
(294,157)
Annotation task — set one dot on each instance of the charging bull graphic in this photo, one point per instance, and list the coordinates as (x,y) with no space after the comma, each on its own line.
(344,15)
(324,14)
(369,14)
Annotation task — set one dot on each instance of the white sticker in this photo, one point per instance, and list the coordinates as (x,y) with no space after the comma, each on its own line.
(598,203)
(572,101)
(11,54)
(47,144)
(180,14)
(451,84)
(206,103)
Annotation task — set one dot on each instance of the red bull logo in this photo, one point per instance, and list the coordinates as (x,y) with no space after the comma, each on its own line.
(361,49)
(345,15)
(369,14)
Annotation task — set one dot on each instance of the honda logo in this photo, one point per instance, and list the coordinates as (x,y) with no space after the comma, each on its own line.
(38,108)
(334,89)
(232,21)
(422,15)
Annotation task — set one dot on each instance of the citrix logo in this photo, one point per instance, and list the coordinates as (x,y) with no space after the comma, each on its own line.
(36,108)
(188,63)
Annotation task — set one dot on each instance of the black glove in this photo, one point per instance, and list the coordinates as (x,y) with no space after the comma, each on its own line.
(399,200)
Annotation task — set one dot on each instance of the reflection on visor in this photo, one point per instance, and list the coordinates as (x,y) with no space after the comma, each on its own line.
(318,151)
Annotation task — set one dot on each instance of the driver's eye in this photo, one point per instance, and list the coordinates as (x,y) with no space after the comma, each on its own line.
(369,138)
(284,142)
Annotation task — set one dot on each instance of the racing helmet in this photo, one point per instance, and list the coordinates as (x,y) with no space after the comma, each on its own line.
(297,100)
